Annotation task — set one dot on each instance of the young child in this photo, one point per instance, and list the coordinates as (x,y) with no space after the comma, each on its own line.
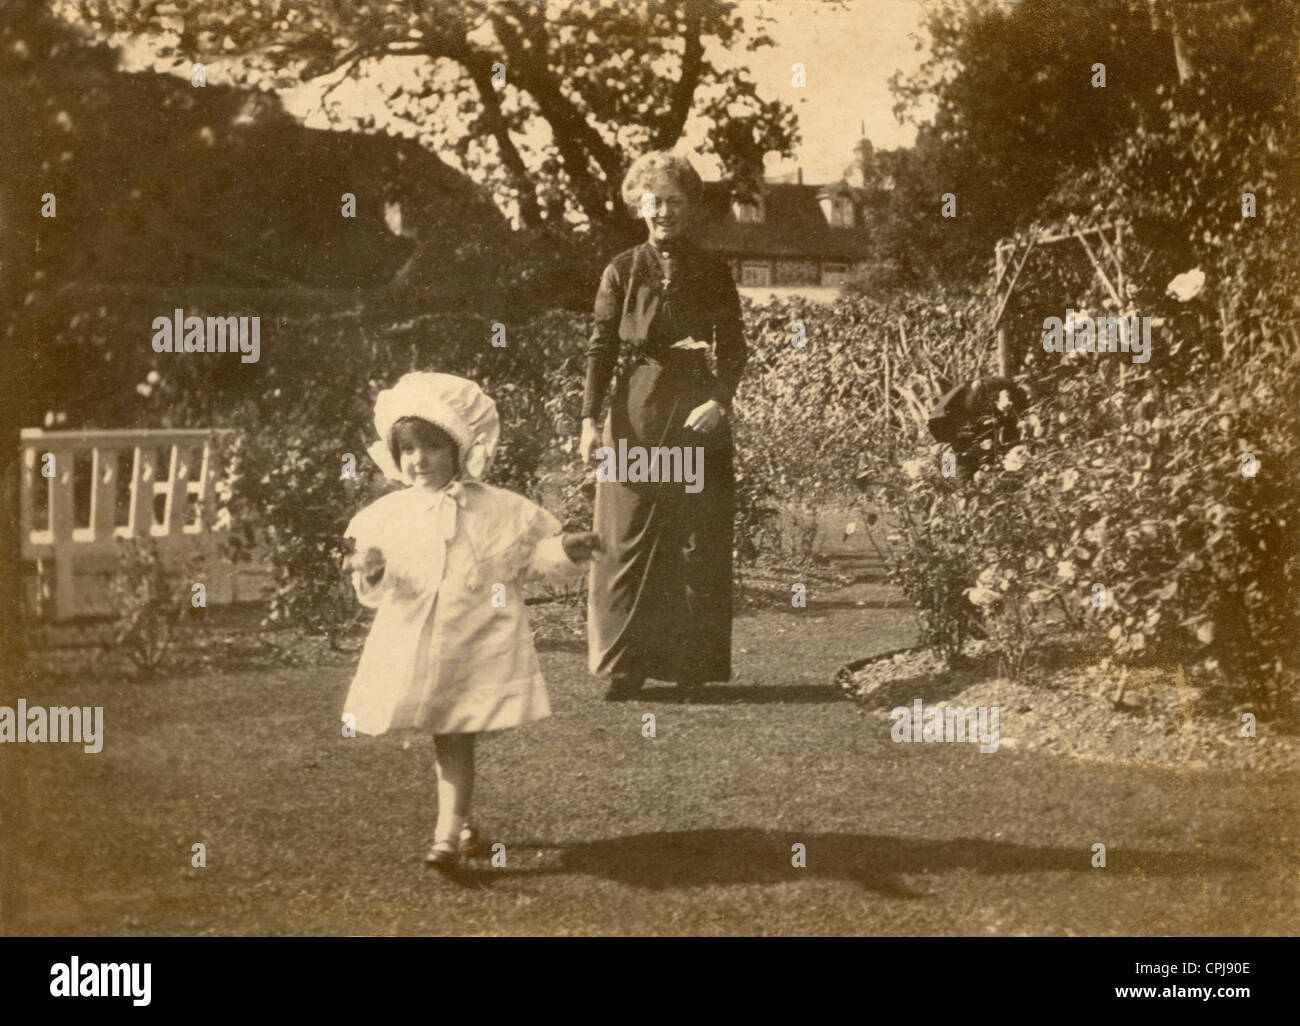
(442,562)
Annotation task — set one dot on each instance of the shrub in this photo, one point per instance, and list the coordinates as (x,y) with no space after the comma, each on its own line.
(150,601)
(1132,481)
(289,463)
(808,416)
(1136,489)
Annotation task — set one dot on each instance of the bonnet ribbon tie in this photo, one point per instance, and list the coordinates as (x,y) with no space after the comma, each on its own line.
(448,501)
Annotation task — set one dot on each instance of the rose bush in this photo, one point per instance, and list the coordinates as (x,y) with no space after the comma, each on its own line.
(1138,511)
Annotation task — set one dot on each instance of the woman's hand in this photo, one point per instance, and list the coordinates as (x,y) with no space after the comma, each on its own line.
(582,546)
(590,439)
(706,417)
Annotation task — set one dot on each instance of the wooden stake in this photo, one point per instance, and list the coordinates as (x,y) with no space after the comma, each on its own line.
(1101,271)
(888,412)
(1004,346)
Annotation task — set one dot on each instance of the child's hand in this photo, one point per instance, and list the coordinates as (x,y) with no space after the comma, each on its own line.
(582,546)
(370,563)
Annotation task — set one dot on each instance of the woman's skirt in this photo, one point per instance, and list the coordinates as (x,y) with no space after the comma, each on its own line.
(659,600)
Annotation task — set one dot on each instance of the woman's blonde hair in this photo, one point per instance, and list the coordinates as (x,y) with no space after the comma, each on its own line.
(660,164)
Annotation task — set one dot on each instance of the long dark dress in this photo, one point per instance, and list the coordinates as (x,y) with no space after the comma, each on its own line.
(659,602)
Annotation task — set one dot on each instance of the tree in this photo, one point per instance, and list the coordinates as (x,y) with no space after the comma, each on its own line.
(594,83)
(1012,107)
(1006,106)
(36,160)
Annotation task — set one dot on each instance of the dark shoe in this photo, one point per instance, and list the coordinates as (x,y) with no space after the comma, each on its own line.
(469,842)
(623,686)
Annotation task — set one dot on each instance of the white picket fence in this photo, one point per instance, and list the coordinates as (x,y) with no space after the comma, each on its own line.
(81,491)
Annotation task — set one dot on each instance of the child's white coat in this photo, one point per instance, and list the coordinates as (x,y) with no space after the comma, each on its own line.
(441,656)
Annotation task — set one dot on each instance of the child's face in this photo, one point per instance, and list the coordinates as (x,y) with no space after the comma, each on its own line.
(427,457)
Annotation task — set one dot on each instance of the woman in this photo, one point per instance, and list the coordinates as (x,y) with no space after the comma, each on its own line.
(659,601)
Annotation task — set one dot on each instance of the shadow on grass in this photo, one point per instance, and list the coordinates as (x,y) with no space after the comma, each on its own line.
(735,694)
(746,855)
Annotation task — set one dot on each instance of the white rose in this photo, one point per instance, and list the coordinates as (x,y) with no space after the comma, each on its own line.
(1187,285)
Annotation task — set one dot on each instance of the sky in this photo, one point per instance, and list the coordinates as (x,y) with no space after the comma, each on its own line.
(848,50)
(849,55)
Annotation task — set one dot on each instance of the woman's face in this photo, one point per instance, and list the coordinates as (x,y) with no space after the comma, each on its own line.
(427,457)
(665,210)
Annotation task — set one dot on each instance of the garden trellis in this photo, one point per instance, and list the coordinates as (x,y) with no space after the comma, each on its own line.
(1105,253)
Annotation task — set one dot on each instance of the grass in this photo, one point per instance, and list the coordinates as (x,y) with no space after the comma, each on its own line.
(609,832)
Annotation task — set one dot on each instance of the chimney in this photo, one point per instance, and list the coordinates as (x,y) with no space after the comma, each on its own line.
(801,175)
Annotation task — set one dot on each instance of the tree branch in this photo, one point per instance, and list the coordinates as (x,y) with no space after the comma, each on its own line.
(574,137)
(386,47)
(670,130)
(479,67)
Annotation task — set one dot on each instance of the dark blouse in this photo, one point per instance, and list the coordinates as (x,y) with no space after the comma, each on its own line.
(639,313)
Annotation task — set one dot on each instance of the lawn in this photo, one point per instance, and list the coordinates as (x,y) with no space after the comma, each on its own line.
(607,831)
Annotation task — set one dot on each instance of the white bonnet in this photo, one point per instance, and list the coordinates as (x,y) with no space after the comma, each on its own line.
(457,405)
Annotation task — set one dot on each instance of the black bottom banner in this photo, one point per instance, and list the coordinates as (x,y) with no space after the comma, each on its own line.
(142,976)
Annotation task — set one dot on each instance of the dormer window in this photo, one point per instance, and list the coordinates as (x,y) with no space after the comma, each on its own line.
(838,208)
(748,212)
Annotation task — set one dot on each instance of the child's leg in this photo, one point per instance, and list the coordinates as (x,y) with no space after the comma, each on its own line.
(454,754)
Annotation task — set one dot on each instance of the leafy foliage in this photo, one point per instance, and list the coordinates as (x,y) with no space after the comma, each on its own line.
(601,82)
(290,474)
(1133,480)
(1127,513)
(1131,477)
(826,384)
(1010,122)
(150,603)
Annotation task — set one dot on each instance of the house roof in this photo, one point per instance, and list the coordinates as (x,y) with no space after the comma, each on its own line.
(793,225)
(219,188)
